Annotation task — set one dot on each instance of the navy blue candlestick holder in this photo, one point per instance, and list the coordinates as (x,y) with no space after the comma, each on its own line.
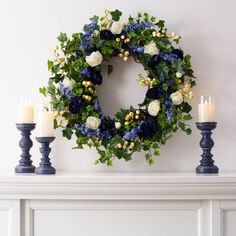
(45,166)
(25,163)
(207,163)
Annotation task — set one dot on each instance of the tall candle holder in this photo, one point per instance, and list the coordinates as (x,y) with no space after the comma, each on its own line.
(45,166)
(206,113)
(25,163)
(207,163)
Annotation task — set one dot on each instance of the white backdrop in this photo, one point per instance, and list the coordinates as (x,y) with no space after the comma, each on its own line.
(28,31)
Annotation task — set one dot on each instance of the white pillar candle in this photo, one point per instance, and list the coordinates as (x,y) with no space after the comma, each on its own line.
(206,109)
(45,123)
(25,112)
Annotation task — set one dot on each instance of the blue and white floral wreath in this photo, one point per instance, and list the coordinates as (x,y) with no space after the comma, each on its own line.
(76,72)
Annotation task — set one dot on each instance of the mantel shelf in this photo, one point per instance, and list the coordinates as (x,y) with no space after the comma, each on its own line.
(69,185)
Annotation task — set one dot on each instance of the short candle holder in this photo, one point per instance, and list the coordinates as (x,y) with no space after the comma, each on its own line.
(25,163)
(207,163)
(45,166)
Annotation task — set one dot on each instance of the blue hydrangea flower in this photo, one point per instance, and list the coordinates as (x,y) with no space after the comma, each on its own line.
(146,24)
(168,57)
(90,28)
(170,83)
(162,79)
(97,107)
(93,133)
(136,49)
(136,26)
(168,103)
(169,114)
(85,39)
(85,43)
(65,91)
(132,134)
(87,132)
(105,134)
(85,72)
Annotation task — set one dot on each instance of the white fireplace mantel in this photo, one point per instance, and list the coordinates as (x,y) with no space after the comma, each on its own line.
(118,185)
(187,203)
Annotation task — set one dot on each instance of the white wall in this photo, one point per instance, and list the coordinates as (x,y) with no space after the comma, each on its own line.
(28,31)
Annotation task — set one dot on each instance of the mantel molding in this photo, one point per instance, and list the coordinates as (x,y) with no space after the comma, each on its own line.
(133,186)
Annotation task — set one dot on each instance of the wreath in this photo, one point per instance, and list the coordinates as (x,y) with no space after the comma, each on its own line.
(77,71)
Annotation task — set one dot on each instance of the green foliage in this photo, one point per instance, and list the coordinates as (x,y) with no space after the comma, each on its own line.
(160,24)
(108,47)
(184,127)
(43,91)
(67,133)
(185,107)
(149,159)
(188,117)
(50,65)
(116,15)
(62,38)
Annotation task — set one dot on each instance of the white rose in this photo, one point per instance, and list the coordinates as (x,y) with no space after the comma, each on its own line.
(94,59)
(93,122)
(154,107)
(117,125)
(176,98)
(68,83)
(151,48)
(116,27)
